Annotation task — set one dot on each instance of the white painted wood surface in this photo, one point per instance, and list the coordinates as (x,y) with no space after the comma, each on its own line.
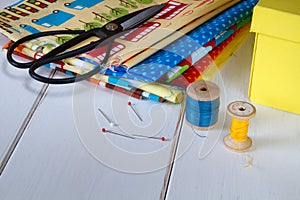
(18,93)
(220,174)
(63,154)
(52,163)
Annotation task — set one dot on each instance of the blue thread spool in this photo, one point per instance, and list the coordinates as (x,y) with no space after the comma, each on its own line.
(202,105)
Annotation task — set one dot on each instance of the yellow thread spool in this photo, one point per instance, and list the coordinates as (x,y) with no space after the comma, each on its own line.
(241,112)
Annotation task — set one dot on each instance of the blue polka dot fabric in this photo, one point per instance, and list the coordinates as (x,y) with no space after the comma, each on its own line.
(150,69)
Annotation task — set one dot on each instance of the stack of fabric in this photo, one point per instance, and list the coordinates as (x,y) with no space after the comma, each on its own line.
(183,61)
(163,75)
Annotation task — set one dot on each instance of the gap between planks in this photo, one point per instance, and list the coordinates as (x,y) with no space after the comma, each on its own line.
(169,170)
(37,102)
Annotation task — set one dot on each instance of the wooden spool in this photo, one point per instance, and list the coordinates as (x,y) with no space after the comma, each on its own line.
(202,91)
(240,110)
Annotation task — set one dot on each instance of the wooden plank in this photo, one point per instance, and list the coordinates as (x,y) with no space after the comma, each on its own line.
(20,99)
(207,170)
(59,157)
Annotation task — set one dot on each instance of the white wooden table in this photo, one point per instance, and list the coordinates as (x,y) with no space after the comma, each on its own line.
(217,173)
(63,154)
(19,98)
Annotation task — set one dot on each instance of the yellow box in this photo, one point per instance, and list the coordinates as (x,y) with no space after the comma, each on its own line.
(275,72)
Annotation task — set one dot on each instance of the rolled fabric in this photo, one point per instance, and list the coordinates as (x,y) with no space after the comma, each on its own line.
(161,62)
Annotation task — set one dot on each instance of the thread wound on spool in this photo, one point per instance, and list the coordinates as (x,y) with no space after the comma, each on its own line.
(241,112)
(202,104)
(238,130)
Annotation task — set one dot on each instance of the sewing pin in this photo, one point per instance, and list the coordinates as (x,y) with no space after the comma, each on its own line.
(152,137)
(130,104)
(107,118)
(119,134)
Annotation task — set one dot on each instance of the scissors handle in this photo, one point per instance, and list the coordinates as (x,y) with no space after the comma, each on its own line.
(60,53)
(56,54)
(28,38)
(77,78)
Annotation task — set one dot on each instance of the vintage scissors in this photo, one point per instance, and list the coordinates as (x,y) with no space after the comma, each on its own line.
(106,35)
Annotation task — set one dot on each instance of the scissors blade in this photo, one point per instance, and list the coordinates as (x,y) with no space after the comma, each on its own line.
(137,18)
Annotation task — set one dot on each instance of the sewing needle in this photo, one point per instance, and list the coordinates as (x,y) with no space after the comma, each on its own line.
(107,118)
